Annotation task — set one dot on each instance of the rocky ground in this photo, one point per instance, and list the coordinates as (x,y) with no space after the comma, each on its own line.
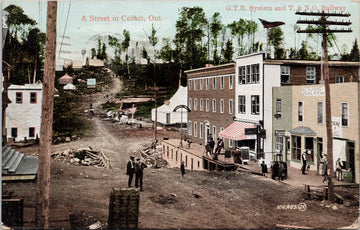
(222,200)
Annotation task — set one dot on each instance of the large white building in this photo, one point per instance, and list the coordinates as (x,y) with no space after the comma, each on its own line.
(23,115)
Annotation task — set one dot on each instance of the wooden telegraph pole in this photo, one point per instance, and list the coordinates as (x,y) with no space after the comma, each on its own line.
(43,180)
(323,27)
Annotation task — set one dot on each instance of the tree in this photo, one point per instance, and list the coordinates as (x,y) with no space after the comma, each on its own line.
(16,20)
(229,51)
(189,33)
(215,28)
(93,53)
(166,52)
(238,28)
(116,45)
(354,53)
(251,28)
(303,53)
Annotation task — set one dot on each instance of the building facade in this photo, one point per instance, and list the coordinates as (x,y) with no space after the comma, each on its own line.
(23,115)
(308,125)
(211,92)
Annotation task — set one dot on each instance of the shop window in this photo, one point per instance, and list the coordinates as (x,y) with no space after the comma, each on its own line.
(296,147)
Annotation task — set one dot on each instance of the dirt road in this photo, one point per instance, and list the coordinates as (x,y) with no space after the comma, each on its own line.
(226,199)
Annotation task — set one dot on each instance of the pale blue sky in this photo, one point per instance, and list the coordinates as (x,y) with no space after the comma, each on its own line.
(81,32)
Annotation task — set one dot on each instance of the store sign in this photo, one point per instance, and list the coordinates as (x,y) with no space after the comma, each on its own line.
(336,126)
(91,83)
(313,91)
(280,133)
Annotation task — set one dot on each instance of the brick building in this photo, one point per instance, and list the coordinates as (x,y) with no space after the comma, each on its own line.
(211,97)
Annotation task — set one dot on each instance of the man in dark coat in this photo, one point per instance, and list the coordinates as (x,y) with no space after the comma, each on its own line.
(211,145)
(139,172)
(130,170)
(303,158)
(219,145)
(182,168)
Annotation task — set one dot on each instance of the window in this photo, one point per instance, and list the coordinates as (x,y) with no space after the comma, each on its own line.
(190,103)
(18,97)
(231,143)
(345,114)
(255,75)
(278,108)
(214,132)
(309,147)
(214,82)
(33,97)
(310,75)
(296,147)
(340,79)
(222,106)
(231,106)
(242,79)
(207,104)
(14,132)
(201,104)
(248,74)
(32,132)
(195,84)
(242,108)
(279,143)
(201,130)
(195,104)
(285,74)
(207,83)
(190,84)
(222,85)
(190,128)
(201,84)
(255,104)
(195,129)
(301,111)
(214,105)
(231,83)
(320,112)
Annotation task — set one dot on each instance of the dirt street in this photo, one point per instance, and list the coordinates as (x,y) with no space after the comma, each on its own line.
(226,199)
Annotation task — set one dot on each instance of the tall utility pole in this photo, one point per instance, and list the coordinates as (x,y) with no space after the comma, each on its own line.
(43,180)
(323,27)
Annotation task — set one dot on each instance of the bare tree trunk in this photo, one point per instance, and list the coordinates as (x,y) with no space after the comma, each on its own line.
(43,181)
(34,79)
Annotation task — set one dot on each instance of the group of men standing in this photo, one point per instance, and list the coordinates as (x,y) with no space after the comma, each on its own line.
(210,147)
(136,168)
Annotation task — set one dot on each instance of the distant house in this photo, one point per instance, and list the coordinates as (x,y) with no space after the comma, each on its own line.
(65,79)
(96,63)
(77,65)
(166,114)
(69,86)
(23,115)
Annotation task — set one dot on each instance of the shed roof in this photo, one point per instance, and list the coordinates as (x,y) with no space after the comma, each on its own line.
(303,131)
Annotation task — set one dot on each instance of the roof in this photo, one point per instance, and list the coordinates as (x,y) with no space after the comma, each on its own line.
(65,79)
(211,68)
(36,86)
(69,86)
(310,62)
(179,98)
(96,62)
(303,131)
(236,130)
(136,100)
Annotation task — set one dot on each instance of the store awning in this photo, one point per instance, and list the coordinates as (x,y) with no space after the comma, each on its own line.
(303,131)
(236,131)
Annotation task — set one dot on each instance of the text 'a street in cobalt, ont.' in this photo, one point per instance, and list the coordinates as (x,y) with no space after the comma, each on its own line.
(286,7)
(122,18)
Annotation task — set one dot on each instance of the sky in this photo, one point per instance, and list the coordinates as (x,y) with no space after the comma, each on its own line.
(83,21)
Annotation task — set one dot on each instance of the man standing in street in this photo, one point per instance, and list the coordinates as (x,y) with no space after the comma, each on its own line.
(303,158)
(182,168)
(130,170)
(139,168)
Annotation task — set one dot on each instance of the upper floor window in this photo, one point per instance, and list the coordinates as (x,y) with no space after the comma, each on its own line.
(222,106)
(33,97)
(231,82)
(231,106)
(301,111)
(214,82)
(345,114)
(207,83)
(222,85)
(255,75)
(19,97)
(201,84)
(201,130)
(340,79)
(310,75)
(255,104)
(195,84)
(242,107)
(190,103)
(190,84)
(195,104)
(190,128)
(201,104)
(207,104)
(248,74)
(242,77)
(320,112)
(278,108)
(195,129)
(214,105)
(285,74)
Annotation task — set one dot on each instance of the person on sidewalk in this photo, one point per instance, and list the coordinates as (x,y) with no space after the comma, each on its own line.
(303,158)
(325,174)
(339,166)
(211,145)
(130,170)
(139,172)
(182,168)
(263,168)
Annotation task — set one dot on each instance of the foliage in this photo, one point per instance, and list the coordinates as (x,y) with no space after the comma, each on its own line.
(229,51)
(276,36)
(354,53)
(166,52)
(68,118)
(110,106)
